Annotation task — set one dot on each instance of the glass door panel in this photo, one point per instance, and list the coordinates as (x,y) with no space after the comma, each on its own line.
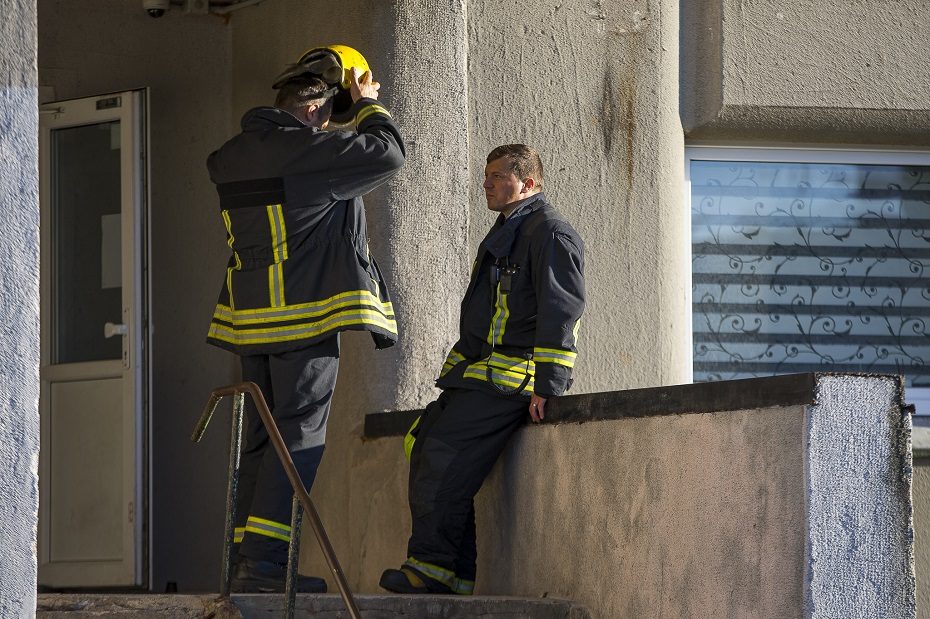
(86,205)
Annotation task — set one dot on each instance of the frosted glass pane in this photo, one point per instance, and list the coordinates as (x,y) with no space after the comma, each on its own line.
(85,195)
(801,267)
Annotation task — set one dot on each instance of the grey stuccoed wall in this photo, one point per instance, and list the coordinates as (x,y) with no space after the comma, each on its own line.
(852,71)
(594,87)
(19,307)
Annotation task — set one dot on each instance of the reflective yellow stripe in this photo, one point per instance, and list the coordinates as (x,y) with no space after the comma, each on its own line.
(502,372)
(352,316)
(230,239)
(446,577)
(555,355)
(278,231)
(452,360)
(368,110)
(266,315)
(499,321)
(238,534)
(409,438)
(463,587)
(268,528)
(505,362)
(276,284)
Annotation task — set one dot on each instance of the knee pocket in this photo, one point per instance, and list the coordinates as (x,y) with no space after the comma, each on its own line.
(432,462)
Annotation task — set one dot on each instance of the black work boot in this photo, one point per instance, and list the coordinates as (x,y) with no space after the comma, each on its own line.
(256,576)
(411,580)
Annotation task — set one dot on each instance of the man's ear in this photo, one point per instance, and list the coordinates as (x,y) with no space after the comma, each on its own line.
(529,183)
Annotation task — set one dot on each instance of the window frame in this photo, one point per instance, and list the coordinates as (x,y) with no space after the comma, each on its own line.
(765,153)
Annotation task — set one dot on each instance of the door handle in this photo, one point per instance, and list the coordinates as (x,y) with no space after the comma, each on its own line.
(110,329)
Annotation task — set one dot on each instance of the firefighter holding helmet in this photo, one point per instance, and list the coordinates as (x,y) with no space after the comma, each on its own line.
(300,272)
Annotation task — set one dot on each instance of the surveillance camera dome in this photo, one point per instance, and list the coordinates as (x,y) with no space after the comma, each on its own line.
(156,8)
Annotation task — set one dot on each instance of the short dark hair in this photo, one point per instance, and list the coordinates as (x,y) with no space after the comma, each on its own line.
(302,91)
(523,161)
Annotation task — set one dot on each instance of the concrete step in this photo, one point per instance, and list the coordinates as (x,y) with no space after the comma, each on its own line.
(330,606)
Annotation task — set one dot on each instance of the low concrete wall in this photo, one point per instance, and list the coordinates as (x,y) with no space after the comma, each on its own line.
(795,506)
(19,307)
(691,516)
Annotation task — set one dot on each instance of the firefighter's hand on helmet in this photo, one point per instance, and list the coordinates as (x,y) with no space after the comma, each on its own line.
(363,86)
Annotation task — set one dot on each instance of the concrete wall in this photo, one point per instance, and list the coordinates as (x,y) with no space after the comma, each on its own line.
(97,46)
(682,516)
(19,307)
(594,87)
(834,71)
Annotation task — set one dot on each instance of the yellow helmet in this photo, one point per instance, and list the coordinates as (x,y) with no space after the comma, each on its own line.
(333,64)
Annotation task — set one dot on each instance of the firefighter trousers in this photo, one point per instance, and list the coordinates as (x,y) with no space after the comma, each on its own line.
(298,387)
(460,437)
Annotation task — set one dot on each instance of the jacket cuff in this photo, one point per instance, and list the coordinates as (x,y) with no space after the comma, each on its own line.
(551,379)
(368,109)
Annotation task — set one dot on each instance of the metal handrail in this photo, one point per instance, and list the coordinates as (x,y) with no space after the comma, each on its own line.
(300,492)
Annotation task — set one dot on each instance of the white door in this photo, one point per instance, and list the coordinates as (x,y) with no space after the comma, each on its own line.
(91,486)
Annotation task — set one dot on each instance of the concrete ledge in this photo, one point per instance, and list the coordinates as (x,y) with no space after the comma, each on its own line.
(137,606)
(750,393)
(328,606)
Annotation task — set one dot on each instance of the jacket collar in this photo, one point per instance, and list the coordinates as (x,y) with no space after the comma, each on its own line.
(263,118)
(499,240)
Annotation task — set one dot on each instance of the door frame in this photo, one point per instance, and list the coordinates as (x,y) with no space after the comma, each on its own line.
(135,363)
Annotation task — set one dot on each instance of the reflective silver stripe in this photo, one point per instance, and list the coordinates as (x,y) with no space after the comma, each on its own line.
(498,322)
(293,332)
(276,284)
(500,377)
(547,355)
(360,297)
(268,528)
(278,231)
(452,360)
(446,577)
(463,587)
(514,364)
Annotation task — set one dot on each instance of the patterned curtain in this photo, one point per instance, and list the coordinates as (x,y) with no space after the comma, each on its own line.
(801,267)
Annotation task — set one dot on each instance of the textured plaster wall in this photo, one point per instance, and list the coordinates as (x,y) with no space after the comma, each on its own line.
(860,551)
(593,86)
(837,70)
(19,307)
(97,46)
(679,516)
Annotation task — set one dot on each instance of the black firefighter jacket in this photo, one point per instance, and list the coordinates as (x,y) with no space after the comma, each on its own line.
(290,196)
(520,314)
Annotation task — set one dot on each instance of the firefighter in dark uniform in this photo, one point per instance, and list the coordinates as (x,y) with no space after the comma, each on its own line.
(516,349)
(300,272)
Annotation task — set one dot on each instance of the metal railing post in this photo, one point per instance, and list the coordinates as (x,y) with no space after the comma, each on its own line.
(300,492)
(293,559)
